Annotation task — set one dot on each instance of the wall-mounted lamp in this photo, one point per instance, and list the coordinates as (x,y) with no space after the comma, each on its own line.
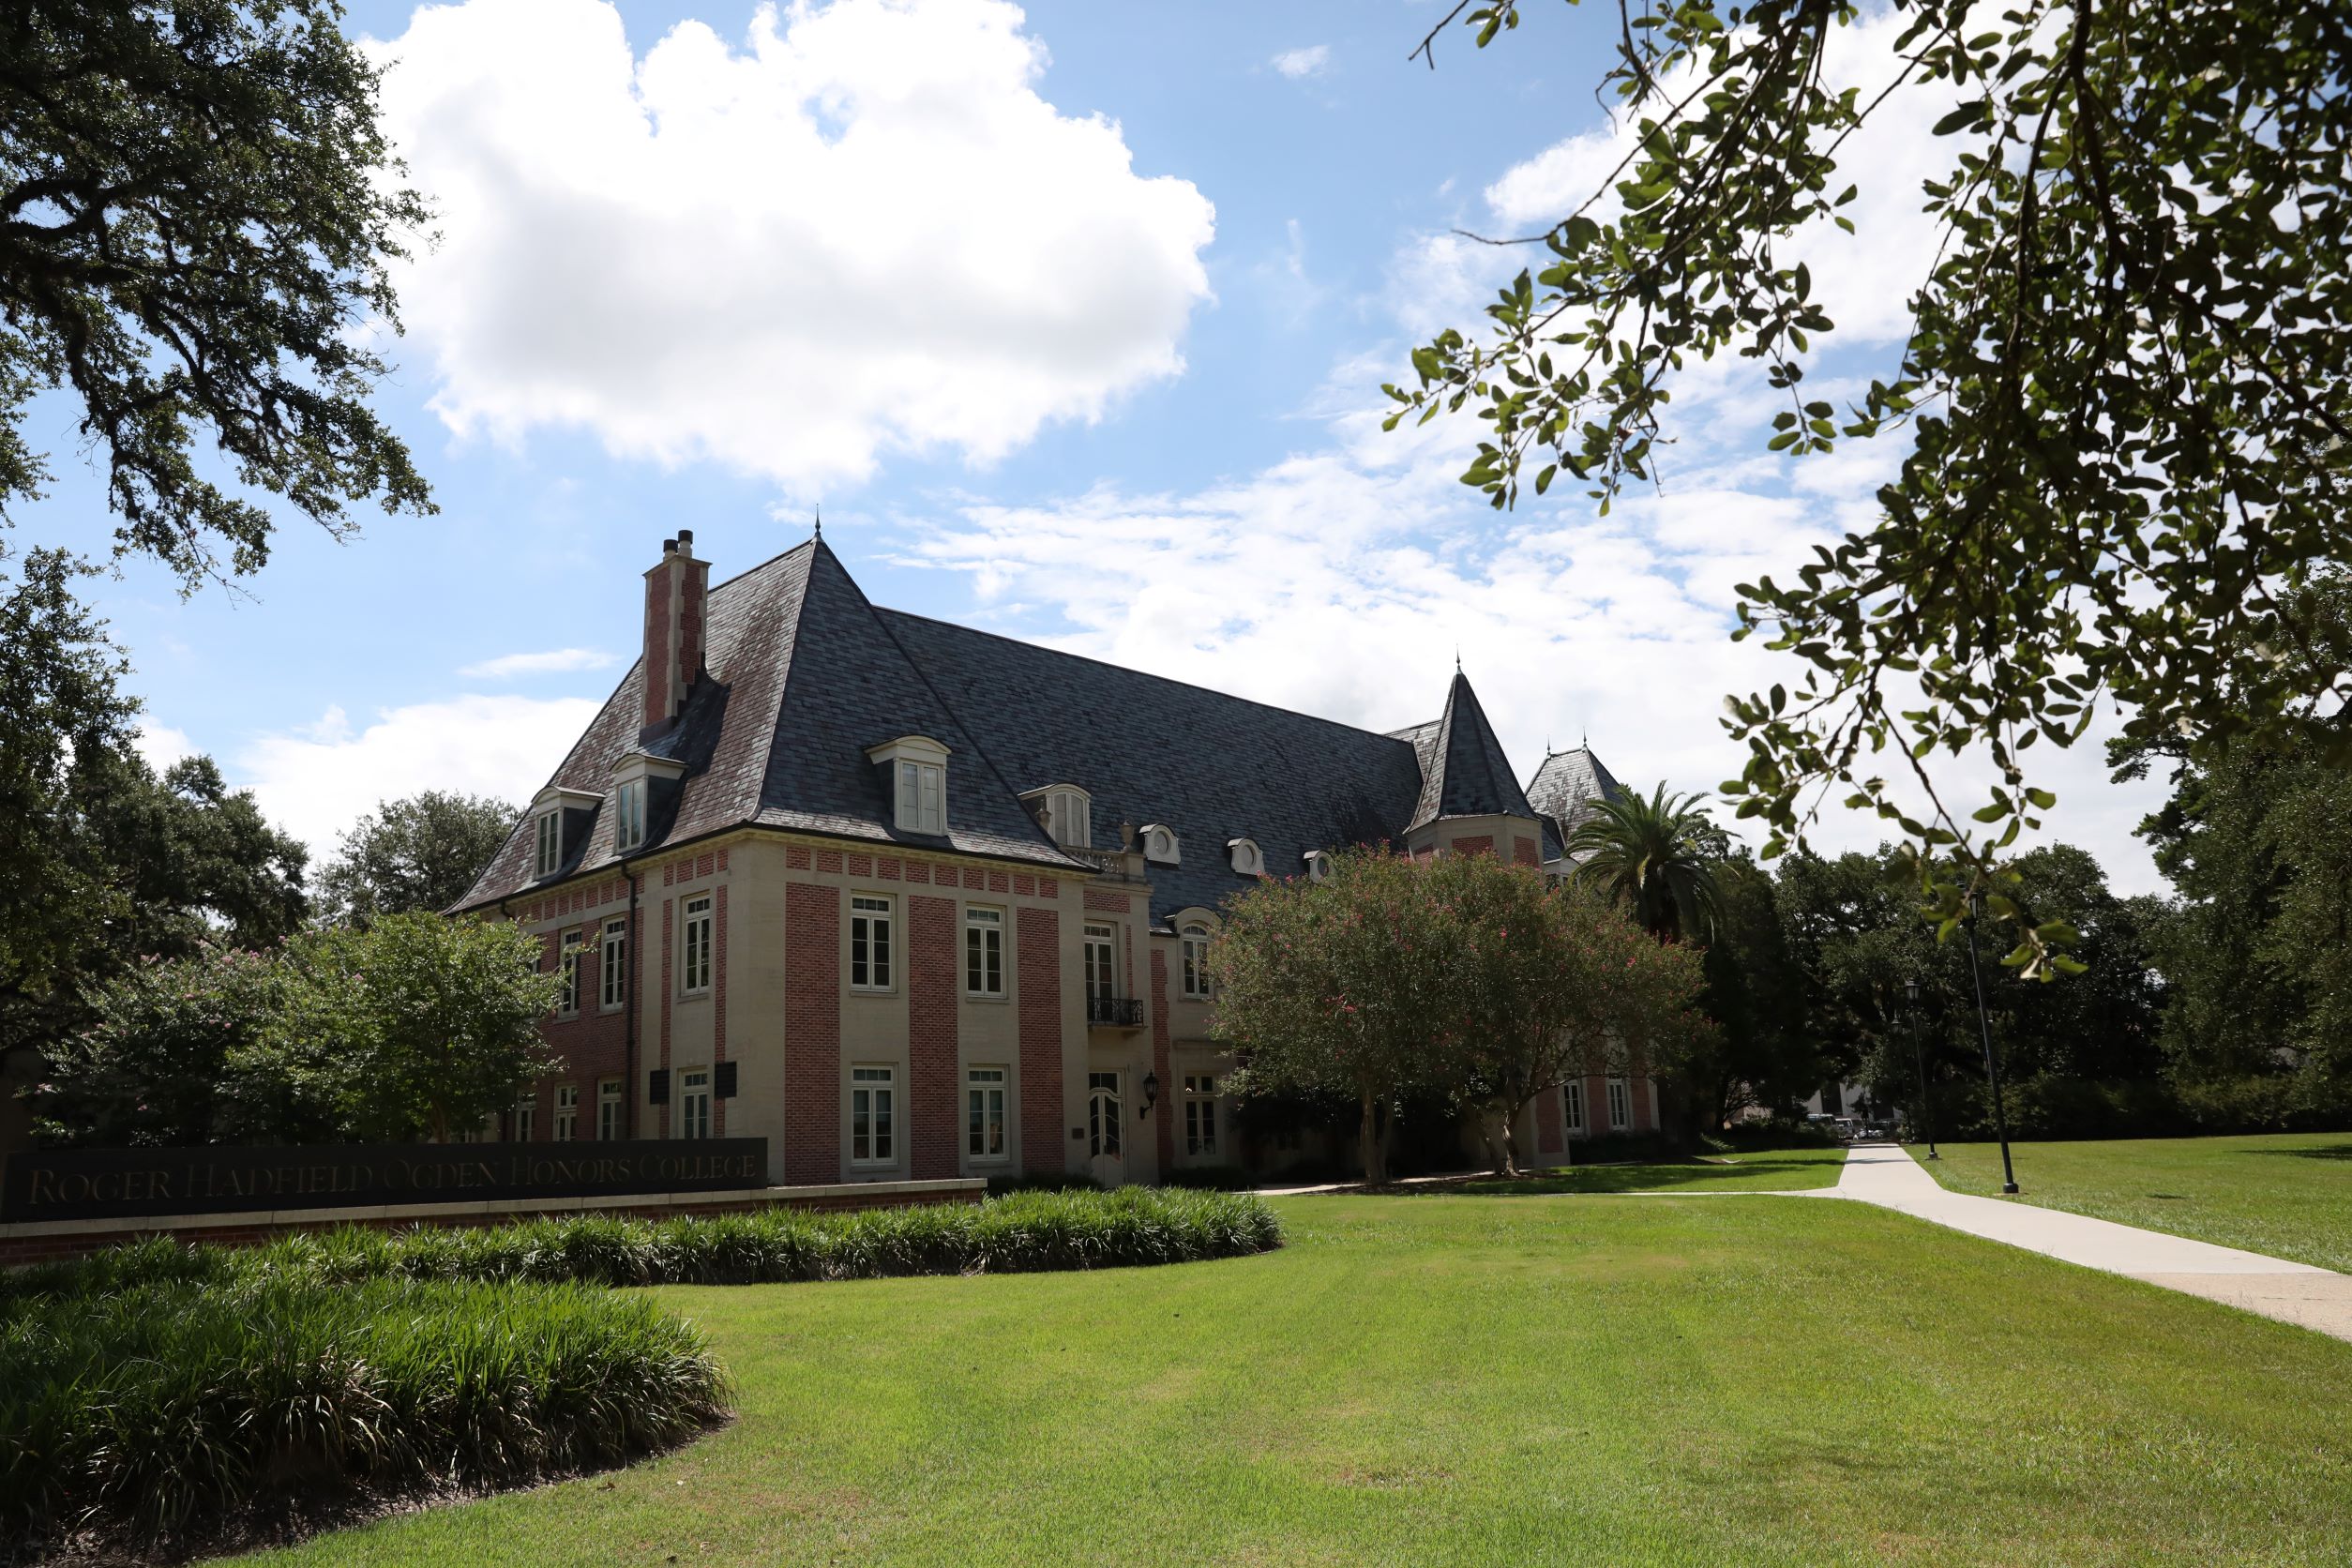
(1151,1095)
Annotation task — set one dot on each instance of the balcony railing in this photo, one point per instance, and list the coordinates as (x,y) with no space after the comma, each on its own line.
(1115,1011)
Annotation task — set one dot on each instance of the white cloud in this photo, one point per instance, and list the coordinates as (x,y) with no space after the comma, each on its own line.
(313,781)
(860,231)
(554,661)
(160,744)
(1298,63)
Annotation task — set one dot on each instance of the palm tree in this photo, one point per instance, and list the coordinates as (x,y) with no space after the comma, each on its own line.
(1651,856)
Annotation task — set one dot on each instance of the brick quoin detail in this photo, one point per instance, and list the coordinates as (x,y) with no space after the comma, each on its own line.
(719,1005)
(1107,903)
(1039,971)
(1524,852)
(932,1034)
(1550,1138)
(1479,844)
(812,1034)
(1164,1112)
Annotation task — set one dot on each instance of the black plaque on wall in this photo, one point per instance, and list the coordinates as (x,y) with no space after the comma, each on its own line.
(111,1183)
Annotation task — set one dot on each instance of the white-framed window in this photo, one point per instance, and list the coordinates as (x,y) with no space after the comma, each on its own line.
(1102,950)
(629,815)
(607,1109)
(1194,943)
(613,988)
(871,950)
(694,946)
(1102,1114)
(526,1113)
(984,951)
(1160,845)
(548,832)
(922,797)
(567,1112)
(1246,858)
(1201,1113)
(1317,864)
(984,1121)
(873,1126)
(1572,1097)
(1070,818)
(1620,1106)
(568,965)
(694,1102)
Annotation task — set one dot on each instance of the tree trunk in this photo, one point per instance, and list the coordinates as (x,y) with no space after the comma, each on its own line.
(1370,1144)
(1501,1141)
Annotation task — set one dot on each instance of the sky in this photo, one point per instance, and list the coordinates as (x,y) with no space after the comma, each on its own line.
(1073,319)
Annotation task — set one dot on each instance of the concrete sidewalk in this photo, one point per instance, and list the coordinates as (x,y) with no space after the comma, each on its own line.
(1887,1175)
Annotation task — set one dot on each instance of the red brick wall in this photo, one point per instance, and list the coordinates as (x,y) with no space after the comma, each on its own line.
(592,1044)
(812,1034)
(1171,1090)
(669,996)
(1552,1135)
(1525,851)
(1596,1107)
(1038,963)
(931,996)
(718,1001)
(1477,844)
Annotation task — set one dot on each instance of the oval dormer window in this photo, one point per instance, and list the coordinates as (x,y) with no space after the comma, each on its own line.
(1159,845)
(1247,860)
(1317,864)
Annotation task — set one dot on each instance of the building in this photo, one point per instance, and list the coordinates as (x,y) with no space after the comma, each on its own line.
(912,900)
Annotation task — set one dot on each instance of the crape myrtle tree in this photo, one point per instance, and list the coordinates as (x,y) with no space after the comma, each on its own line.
(420,852)
(198,211)
(414,1027)
(2121,412)
(1554,984)
(1342,986)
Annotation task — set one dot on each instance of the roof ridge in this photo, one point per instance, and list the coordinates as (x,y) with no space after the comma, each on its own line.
(1145,674)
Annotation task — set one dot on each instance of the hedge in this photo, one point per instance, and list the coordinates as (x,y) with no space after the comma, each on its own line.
(182,1410)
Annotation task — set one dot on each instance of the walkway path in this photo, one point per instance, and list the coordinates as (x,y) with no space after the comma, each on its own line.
(1887,1175)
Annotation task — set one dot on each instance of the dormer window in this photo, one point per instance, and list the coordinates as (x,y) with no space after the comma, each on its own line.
(914,772)
(1247,860)
(1159,844)
(636,780)
(548,835)
(1317,864)
(1067,814)
(629,815)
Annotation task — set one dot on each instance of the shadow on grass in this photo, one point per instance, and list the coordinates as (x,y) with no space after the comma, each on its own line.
(2332,1151)
(1622,1178)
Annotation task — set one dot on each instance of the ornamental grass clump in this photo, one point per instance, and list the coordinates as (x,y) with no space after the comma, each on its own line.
(190,1407)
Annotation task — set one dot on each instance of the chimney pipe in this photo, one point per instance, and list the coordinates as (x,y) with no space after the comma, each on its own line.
(675,589)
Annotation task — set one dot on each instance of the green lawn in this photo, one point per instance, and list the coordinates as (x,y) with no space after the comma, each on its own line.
(1479,1381)
(2288,1194)
(1769,1170)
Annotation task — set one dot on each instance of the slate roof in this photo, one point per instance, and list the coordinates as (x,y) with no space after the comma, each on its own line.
(1210,766)
(804,675)
(1567,784)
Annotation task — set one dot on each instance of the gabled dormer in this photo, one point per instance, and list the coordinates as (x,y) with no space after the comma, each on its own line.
(914,779)
(1067,812)
(560,823)
(644,795)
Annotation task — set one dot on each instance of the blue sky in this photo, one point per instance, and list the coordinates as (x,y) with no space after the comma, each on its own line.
(1073,318)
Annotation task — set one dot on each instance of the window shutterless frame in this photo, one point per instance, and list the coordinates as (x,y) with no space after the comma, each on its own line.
(549,842)
(1572,1097)
(568,964)
(566,1126)
(1201,1113)
(984,951)
(1620,1106)
(873,1121)
(1195,942)
(614,966)
(873,954)
(694,946)
(983,1121)
(607,1109)
(694,1102)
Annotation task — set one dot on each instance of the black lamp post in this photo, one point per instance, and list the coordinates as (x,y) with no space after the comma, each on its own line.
(1151,1095)
(1985,1024)
(1918,1049)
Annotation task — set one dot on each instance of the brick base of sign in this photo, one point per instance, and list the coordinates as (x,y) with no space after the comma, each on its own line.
(44,1241)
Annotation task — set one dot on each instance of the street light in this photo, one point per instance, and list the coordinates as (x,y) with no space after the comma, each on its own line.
(1918,1049)
(1985,1024)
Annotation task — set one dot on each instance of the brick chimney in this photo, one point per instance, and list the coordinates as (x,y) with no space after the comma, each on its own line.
(674,591)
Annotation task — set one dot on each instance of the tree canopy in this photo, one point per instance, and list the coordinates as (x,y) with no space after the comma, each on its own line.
(420,852)
(197,214)
(2121,410)
(1654,858)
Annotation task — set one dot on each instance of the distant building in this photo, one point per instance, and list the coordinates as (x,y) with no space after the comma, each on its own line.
(912,900)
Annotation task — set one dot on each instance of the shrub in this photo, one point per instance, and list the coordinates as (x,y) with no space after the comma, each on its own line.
(1019,1233)
(1041,1180)
(220,1388)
